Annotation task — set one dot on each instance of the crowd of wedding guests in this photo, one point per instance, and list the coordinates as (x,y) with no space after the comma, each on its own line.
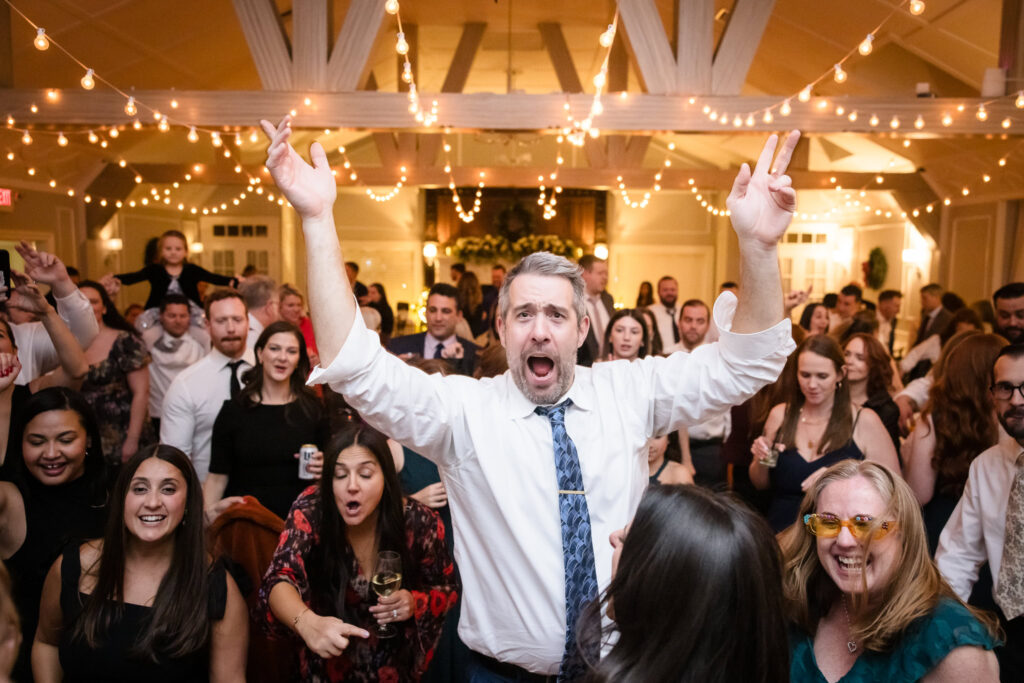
(862,516)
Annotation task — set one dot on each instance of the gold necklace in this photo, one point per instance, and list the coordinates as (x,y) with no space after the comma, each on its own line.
(804,420)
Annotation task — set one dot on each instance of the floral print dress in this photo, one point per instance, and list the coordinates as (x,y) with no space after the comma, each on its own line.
(403,658)
(107,390)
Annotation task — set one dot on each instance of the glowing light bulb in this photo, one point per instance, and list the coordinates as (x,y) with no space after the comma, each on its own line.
(61,140)
(608,37)
(215,139)
(873,120)
(164,126)
(1002,162)
(88,82)
(947,120)
(26,139)
(193,136)
(866,45)
(785,109)
(894,123)
(114,132)
(853,116)
(919,122)
(839,75)
(1019,102)
(407,73)
(600,78)
(401,46)
(129,108)
(391,6)
(1006,122)
(805,94)
(982,113)
(41,41)
(174,104)
(767,118)
(916,7)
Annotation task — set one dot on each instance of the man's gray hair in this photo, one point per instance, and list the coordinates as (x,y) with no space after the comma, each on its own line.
(257,290)
(546,263)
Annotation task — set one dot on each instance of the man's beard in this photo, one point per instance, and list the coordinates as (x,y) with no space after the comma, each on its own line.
(1014,335)
(1015,429)
(564,366)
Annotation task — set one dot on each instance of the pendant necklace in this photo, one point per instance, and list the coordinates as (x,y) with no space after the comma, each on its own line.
(851,644)
(804,420)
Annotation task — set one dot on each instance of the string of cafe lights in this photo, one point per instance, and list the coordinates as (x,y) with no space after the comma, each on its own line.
(426,117)
(465,216)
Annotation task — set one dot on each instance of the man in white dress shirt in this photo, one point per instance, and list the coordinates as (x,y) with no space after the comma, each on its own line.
(496,452)
(172,349)
(198,392)
(988,522)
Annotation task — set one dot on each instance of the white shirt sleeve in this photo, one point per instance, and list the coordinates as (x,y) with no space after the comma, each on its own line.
(929,349)
(961,550)
(76,311)
(177,426)
(917,391)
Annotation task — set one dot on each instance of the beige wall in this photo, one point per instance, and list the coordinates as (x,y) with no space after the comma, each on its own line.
(53,220)
(972,243)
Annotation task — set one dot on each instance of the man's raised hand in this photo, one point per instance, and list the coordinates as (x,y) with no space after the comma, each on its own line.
(311,189)
(762,202)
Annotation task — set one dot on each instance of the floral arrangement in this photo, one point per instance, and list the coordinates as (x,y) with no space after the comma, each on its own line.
(496,247)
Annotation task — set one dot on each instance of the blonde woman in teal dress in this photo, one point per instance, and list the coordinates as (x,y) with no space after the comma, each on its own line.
(864,599)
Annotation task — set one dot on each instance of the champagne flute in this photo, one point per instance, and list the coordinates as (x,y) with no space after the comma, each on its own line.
(387,578)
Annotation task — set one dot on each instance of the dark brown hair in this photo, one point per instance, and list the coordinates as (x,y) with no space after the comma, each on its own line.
(220,295)
(305,398)
(178,623)
(879,364)
(839,429)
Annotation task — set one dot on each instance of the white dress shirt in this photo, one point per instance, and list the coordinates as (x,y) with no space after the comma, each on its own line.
(255,330)
(496,459)
(918,390)
(35,348)
(665,318)
(974,532)
(192,403)
(598,321)
(430,343)
(929,349)
(170,356)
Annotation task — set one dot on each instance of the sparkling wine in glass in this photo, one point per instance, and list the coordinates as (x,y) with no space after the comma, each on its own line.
(387,578)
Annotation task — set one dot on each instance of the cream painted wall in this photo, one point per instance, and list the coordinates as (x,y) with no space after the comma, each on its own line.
(673,236)
(971,238)
(53,220)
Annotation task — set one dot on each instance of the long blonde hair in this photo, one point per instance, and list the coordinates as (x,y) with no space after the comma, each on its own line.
(914,589)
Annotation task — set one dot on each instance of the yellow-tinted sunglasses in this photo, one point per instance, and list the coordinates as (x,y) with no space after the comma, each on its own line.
(861,526)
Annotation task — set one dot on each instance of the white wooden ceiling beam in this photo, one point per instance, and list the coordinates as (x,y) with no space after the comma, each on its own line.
(351,53)
(695,46)
(490,111)
(267,41)
(738,45)
(649,42)
(311,22)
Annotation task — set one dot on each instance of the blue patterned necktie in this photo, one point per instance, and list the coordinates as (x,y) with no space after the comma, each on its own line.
(577,542)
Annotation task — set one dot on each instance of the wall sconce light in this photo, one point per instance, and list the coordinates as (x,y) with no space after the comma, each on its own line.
(430,251)
(196,247)
(114,244)
(601,250)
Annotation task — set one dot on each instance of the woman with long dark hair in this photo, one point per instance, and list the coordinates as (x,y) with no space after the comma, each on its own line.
(956,425)
(725,624)
(645,295)
(815,427)
(57,494)
(144,602)
(377,299)
(626,336)
(870,376)
(814,319)
(117,385)
(318,585)
(257,434)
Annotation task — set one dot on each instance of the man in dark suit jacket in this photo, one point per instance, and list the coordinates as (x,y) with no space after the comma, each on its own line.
(600,308)
(440,341)
(934,318)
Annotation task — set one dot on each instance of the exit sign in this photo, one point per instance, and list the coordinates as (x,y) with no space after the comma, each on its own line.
(5,197)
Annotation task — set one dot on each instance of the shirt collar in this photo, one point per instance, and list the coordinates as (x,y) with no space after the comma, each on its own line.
(580,392)
(221,361)
(431,341)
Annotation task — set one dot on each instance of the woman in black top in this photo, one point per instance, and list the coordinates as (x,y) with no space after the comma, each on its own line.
(870,376)
(257,434)
(143,603)
(377,299)
(57,494)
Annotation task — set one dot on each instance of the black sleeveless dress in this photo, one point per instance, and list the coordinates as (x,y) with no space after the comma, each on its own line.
(112,661)
(790,472)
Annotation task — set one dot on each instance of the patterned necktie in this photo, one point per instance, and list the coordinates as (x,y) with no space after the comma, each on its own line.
(234,385)
(438,350)
(577,542)
(1009,592)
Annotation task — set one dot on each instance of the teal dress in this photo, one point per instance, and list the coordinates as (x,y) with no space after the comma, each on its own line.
(925,644)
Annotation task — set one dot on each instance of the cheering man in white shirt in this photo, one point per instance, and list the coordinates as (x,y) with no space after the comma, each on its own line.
(988,522)
(543,463)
